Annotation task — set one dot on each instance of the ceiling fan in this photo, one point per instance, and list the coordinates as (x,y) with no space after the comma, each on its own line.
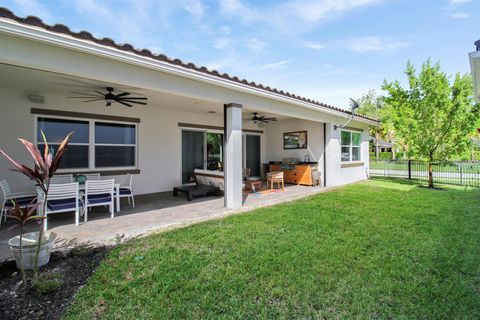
(109,97)
(256,118)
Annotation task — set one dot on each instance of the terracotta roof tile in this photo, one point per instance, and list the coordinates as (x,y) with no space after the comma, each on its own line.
(84,35)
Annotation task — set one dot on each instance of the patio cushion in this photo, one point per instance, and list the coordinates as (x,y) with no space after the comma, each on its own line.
(22,201)
(62,204)
(125,191)
(99,198)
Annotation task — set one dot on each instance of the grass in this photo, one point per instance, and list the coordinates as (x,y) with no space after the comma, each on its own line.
(378,249)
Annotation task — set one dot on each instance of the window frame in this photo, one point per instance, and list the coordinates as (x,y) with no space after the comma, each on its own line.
(350,146)
(91,142)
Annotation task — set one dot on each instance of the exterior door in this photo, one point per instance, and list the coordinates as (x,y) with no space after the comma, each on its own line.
(193,154)
(252,154)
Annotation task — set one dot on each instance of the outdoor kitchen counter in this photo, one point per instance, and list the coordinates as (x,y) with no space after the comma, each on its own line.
(300,174)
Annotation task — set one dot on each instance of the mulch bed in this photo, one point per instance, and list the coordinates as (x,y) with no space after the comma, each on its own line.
(71,271)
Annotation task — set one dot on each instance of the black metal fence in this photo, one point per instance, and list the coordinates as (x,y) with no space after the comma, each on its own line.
(465,173)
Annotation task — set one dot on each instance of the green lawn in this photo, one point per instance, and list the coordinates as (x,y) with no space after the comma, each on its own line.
(379,249)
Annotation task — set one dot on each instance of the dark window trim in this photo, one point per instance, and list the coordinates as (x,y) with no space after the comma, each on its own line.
(82,115)
(104,172)
(207,127)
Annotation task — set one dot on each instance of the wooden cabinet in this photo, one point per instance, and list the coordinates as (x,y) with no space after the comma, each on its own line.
(301,175)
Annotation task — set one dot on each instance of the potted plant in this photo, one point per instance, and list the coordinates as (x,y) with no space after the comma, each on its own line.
(45,165)
(21,244)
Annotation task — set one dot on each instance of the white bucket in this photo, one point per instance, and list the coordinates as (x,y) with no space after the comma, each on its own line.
(29,248)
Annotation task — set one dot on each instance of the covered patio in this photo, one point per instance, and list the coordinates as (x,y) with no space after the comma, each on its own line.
(154,212)
(194,118)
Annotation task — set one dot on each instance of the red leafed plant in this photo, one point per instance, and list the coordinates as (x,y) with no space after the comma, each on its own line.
(22,216)
(45,166)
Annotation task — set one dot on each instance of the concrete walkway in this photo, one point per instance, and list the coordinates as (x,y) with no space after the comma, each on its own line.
(153,213)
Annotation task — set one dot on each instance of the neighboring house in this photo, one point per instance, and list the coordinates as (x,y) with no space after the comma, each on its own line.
(188,106)
(475,67)
(383,146)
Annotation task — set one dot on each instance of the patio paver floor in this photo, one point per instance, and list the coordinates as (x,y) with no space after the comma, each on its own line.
(153,213)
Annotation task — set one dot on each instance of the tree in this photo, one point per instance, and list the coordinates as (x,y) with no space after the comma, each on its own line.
(433,116)
(375,107)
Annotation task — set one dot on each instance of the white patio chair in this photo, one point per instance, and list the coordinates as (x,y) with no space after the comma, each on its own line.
(99,193)
(8,198)
(62,197)
(62,178)
(92,176)
(126,190)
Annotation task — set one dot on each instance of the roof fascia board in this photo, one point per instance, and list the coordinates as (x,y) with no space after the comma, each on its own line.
(65,41)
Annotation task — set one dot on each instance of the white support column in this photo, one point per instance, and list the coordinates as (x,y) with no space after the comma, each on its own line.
(233,155)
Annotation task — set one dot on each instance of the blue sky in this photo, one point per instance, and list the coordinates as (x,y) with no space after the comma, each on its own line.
(329,50)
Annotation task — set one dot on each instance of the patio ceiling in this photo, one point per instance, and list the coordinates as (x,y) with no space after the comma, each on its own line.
(36,82)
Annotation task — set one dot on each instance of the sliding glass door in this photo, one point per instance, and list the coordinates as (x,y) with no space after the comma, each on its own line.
(252,154)
(193,154)
(200,150)
(204,150)
(214,151)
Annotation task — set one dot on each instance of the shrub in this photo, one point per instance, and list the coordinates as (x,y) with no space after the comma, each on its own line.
(47,283)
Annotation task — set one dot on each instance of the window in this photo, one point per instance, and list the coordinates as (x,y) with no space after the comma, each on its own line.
(94,145)
(55,130)
(350,144)
(114,145)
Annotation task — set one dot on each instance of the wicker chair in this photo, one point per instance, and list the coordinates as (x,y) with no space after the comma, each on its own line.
(276,177)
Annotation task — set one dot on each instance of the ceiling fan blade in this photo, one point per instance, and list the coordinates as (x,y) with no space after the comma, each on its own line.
(137,102)
(124,103)
(86,97)
(86,94)
(270,119)
(98,99)
(134,98)
(122,94)
(103,94)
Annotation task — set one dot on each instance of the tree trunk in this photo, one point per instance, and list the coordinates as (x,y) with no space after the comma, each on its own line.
(430,173)
(394,153)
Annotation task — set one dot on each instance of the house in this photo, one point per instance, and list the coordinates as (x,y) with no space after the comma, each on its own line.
(190,110)
(475,67)
(383,146)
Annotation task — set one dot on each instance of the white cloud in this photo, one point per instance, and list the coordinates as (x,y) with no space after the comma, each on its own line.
(459,15)
(225,30)
(92,6)
(256,45)
(313,45)
(290,15)
(458,2)
(374,44)
(195,8)
(361,44)
(276,65)
(221,43)
(32,7)
(314,11)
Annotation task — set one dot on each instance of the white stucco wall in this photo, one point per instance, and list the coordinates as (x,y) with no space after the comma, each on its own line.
(336,175)
(274,141)
(159,137)
(159,140)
